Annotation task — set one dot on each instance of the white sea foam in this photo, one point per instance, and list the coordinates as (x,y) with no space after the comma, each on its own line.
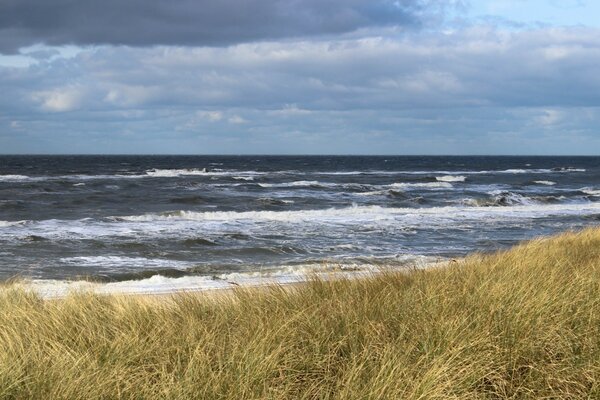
(507,198)
(547,183)
(118,261)
(459,172)
(152,173)
(429,185)
(4,224)
(183,224)
(173,173)
(10,178)
(451,178)
(298,184)
(373,193)
(591,191)
(248,175)
(158,284)
(359,214)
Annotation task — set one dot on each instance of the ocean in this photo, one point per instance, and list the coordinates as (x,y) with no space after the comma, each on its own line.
(152,223)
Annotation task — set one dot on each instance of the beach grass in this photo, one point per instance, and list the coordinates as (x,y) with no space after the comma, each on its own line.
(523,323)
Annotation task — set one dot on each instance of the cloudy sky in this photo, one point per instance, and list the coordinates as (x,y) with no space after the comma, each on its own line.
(300,76)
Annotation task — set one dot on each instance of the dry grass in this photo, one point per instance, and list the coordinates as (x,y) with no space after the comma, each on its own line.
(519,324)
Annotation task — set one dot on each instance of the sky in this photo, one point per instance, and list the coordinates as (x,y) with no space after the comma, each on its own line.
(300,77)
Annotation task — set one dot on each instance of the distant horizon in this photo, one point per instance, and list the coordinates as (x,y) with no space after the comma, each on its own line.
(288,155)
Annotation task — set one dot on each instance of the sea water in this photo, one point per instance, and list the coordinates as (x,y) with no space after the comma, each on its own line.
(161,222)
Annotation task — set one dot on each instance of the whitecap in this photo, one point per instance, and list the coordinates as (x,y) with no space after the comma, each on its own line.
(4,224)
(118,261)
(590,191)
(297,184)
(431,185)
(458,172)
(14,178)
(184,223)
(174,173)
(451,178)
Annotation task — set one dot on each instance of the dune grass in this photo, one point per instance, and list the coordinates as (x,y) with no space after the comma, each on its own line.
(524,323)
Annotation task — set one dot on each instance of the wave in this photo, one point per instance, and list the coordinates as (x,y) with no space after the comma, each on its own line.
(151,173)
(5,224)
(451,178)
(174,173)
(171,173)
(298,184)
(458,172)
(282,275)
(358,186)
(547,183)
(199,241)
(10,178)
(188,200)
(507,199)
(388,193)
(249,175)
(119,262)
(182,224)
(501,198)
(590,191)
(273,202)
(522,207)
(431,185)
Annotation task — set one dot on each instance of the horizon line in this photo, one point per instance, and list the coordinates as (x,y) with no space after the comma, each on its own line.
(288,155)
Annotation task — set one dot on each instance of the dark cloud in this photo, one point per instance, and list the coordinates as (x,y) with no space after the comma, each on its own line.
(198,23)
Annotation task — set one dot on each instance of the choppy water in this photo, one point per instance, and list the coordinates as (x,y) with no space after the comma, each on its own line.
(131,217)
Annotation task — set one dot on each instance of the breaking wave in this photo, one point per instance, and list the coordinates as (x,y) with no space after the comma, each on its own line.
(499,198)
(431,185)
(451,178)
(161,284)
(591,191)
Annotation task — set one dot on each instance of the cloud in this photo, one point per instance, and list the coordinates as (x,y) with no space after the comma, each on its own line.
(198,23)
(469,68)
(236,119)
(60,99)
(477,90)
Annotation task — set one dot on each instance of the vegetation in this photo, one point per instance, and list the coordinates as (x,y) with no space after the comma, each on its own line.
(524,323)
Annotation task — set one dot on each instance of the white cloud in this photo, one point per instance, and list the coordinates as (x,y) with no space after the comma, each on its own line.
(550,117)
(236,119)
(59,100)
(212,116)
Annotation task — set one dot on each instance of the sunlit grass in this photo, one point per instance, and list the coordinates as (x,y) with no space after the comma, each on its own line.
(518,324)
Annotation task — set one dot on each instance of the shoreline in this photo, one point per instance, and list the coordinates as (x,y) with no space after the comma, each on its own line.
(158,285)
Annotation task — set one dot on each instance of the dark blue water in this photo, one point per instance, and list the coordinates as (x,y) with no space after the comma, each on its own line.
(130,217)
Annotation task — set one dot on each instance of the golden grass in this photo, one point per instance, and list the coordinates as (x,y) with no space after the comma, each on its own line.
(524,323)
